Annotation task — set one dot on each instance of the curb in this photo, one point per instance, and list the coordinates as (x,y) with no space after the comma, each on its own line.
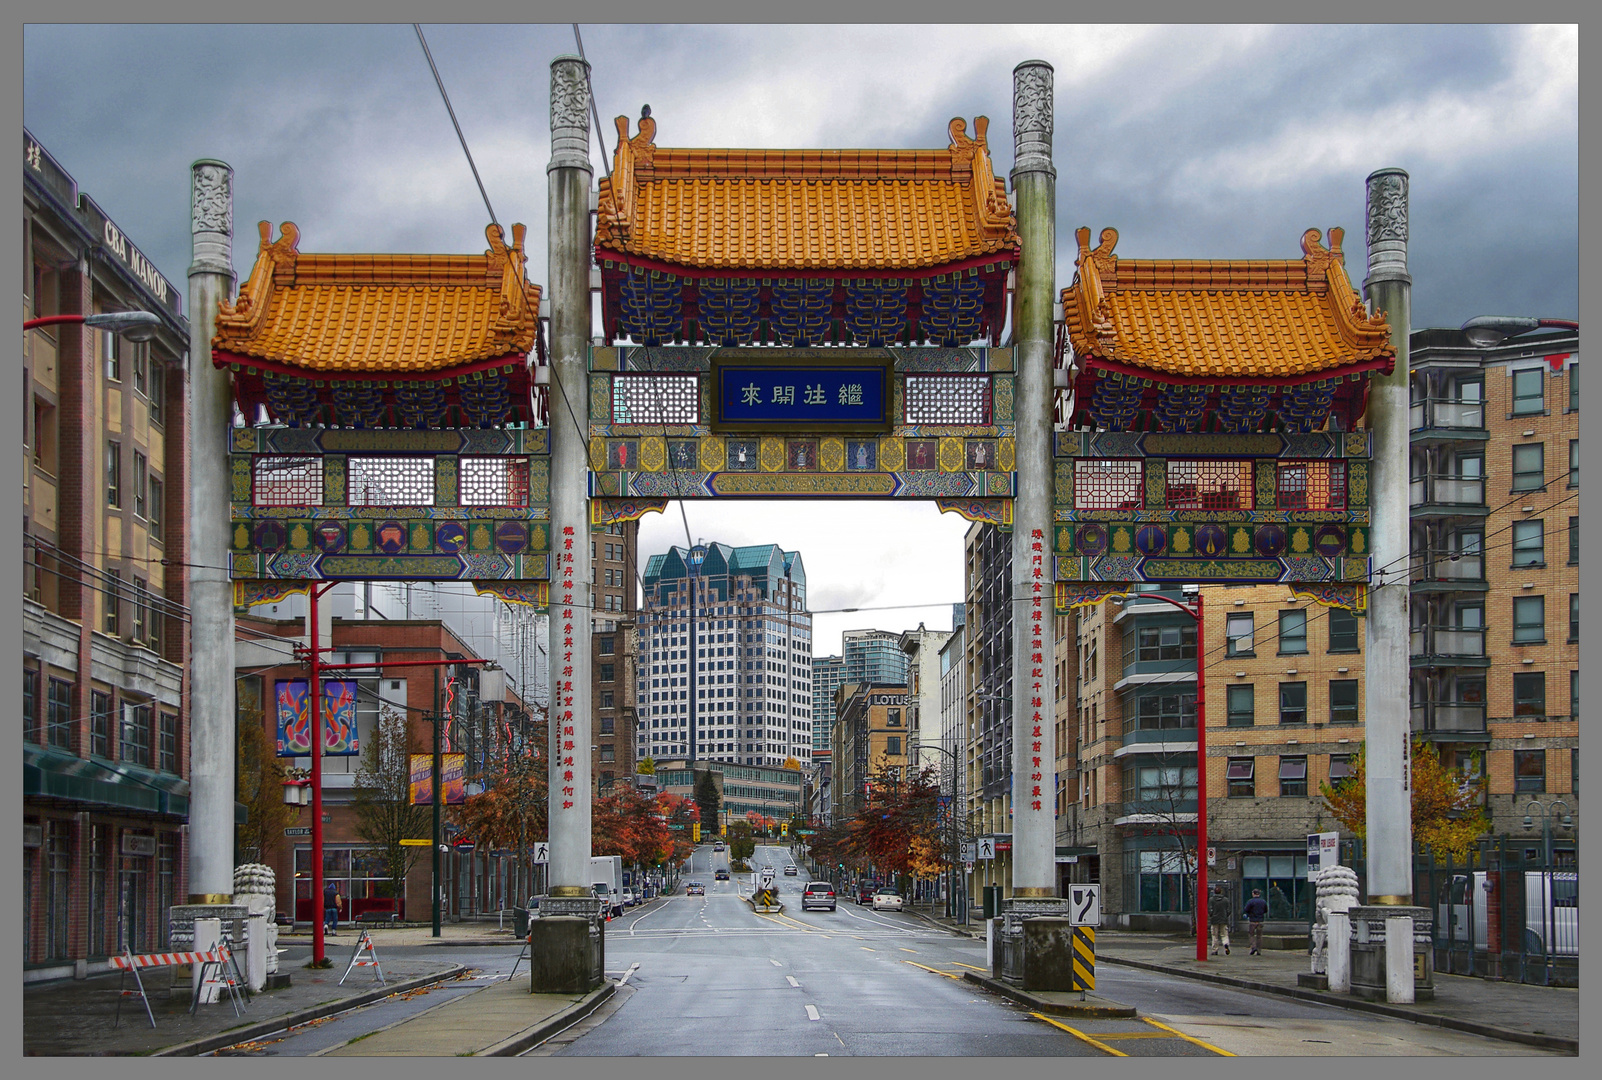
(1356,1004)
(196,1047)
(764,909)
(1085,1011)
(552,1025)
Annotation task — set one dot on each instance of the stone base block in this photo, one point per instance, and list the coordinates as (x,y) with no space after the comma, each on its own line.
(1048,949)
(1313,980)
(278,980)
(565,957)
(1368,951)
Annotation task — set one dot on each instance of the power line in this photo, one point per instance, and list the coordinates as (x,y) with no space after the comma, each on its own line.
(460,137)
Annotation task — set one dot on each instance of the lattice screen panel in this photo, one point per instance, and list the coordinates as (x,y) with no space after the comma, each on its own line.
(1312,485)
(948,399)
(287,481)
(493,481)
(390,481)
(1209,485)
(656,399)
(1107,485)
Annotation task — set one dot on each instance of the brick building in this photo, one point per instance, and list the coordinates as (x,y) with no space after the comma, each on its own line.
(614,660)
(871,734)
(104,515)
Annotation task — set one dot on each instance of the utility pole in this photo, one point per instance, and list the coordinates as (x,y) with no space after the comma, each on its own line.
(436,797)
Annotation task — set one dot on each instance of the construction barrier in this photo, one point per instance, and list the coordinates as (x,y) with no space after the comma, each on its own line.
(364,945)
(217,966)
(1084,958)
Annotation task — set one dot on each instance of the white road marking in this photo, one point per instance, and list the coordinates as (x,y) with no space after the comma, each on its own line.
(812,1012)
(632,969)
(792,982)
(775,963)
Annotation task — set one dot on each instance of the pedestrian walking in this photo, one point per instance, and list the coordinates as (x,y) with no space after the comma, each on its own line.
(331,908)
(1218,914)
(1256,908)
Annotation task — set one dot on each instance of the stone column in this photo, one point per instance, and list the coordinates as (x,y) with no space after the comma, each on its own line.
(1388,289)
(1034,794)
(211,602)
(568,180)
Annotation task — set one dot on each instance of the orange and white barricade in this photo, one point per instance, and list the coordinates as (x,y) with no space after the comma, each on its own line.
(364,945)
(218,966)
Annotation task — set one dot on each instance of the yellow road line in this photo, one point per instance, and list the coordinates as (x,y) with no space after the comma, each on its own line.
(1097,1043)
(903,948)
(937,971)
(864,948)
(1133,1035)
(776,922)
(970,967)
(1188,1038)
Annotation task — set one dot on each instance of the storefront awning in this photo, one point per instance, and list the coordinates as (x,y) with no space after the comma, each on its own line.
(65,776)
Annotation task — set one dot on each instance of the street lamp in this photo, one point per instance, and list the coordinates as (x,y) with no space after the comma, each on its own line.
(1194,610)
(1486,331)
(133,325)
(951,814)
(1548,811)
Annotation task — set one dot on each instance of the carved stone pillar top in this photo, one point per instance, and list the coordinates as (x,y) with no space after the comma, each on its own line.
(211,200)
(1033,107)
(1387,225)
(570,114)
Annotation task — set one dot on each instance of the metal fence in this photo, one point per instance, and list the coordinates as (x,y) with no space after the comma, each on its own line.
(1509,911)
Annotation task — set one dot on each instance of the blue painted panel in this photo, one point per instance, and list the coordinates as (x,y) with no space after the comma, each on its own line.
(763,396)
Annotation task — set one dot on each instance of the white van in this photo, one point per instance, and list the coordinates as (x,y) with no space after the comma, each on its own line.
(606,872)
(1551,912)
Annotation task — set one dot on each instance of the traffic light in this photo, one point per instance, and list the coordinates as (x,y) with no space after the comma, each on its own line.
(784,830)
(695,832)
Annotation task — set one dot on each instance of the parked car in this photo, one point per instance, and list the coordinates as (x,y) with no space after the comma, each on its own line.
(818,894)
(721,875)
(694,888)
(791,871)
(886,900)
(864,892)
(717,847)
(628,898)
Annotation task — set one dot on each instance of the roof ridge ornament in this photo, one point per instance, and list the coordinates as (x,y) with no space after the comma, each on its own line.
(275,263)
(970,160)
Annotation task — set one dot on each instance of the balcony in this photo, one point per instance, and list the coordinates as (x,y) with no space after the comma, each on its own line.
(1447,646)
(1440,571)
(1450,721)
(1447,495)
(1440,419)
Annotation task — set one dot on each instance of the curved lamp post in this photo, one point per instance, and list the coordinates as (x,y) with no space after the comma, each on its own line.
(1194,610)
(133,325)
(1487,331)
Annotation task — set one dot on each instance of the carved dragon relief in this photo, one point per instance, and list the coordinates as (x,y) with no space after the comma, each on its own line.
(213,201)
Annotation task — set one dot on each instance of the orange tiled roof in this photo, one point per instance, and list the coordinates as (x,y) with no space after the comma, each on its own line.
(804,209)
(385,314)
(1230,319)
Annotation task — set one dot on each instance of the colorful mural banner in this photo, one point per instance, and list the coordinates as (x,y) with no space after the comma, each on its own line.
(292,703)
(422,771)
(453,778)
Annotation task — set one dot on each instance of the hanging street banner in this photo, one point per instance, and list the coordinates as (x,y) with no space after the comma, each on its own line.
(422,770)
(453,778)
(292,699)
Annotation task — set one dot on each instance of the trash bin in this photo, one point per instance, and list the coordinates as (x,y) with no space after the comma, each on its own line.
(520,921)
(992,900)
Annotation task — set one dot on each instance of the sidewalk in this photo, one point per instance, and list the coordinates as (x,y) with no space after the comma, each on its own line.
(1543,1016)
(74,1018)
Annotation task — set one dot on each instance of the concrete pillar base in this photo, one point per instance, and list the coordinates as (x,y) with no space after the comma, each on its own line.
(1048,944)
(567,955)
(1370,956)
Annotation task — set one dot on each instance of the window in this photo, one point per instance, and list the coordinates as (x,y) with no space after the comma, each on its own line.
(1166,643)
(1240,774)
(141,611)
(1342,631)
(1161,712)
(608,753)
(1241,709)
(1529,392)
(1574,695)
(1529,543)
(1238,635)
(30,704)
(287,481)
(606,699)
(608,725)
(1209,485)
(1529,467)
(169,742)
(158,393)
(1107,485)
(1574,616)
(1529,693)
(1292,632)
(608,672)
(390,481)
(1574,541)
(892,717)
(157,493)
(58,714)
(134,738)
(100,724)
(1161,784)
(113,474)
(892,745)
(1529,771)
(1312,485)
(1293,776)
(1340,767)
(606,647)
(139,351)
(1574,463)
(497,481)
(1574,388)
(1529,620)
(1343,701)
(141,477)
(111,603)
(1293,703)
(111,349)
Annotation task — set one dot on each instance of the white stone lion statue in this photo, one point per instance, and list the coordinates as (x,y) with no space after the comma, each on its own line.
(256,889)
(1336,891)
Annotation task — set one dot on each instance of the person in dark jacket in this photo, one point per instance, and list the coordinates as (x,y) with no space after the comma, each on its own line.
(331,907)
(1218,917)
(1256,908)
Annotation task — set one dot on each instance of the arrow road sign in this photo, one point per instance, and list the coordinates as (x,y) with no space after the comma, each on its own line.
(1084,905)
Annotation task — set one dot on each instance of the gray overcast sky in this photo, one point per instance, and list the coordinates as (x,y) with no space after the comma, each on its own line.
(1193,141)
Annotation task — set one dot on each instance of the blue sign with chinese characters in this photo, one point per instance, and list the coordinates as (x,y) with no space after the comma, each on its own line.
(814,398)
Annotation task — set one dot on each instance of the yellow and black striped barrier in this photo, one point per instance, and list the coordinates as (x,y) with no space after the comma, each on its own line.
(1084,958)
